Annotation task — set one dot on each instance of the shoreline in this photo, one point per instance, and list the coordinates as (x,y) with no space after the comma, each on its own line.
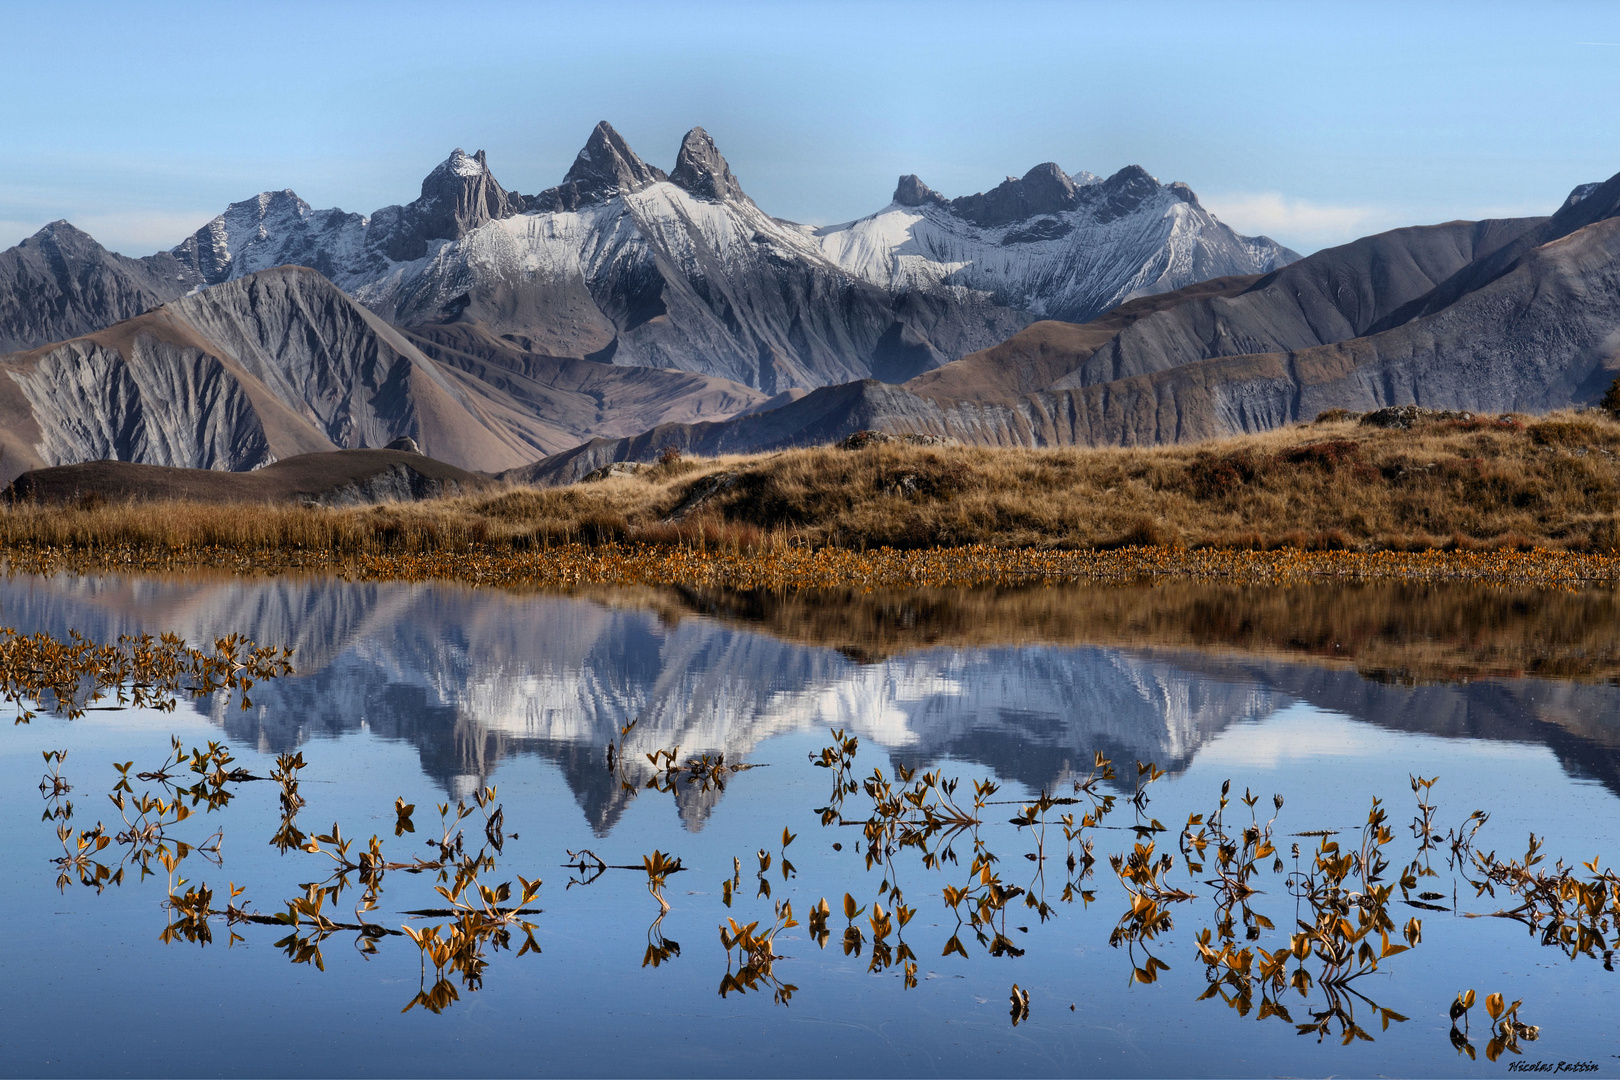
(572,565)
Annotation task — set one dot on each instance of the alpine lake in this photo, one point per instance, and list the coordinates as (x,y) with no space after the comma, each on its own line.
(1173,830)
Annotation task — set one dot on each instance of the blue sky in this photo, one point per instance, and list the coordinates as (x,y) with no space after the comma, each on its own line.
(1313,123)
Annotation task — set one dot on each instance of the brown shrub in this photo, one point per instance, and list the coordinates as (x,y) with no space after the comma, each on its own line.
(1145,532)
(1323,455)
(1576,431)
(1211,476)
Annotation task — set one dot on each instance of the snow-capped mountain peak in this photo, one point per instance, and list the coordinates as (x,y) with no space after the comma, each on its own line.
(1056,245)
(1580,192)
(458,196)
(463,165)
(241,240)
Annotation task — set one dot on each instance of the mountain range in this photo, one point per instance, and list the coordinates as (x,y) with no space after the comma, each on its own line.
(1492,316)
(626,310)
(622,298)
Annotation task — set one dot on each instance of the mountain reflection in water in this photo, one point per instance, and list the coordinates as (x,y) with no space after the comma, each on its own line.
(1029,682)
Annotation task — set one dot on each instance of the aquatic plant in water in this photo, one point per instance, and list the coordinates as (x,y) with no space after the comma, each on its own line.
(1347,888)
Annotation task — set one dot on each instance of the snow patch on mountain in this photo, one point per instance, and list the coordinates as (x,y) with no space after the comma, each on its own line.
(462,164)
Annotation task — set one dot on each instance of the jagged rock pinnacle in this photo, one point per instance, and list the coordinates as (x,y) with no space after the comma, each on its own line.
(911,191)
(607,159)
(604,166)
(458,196)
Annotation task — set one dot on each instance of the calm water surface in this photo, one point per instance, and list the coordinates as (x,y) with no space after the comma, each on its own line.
(430,693)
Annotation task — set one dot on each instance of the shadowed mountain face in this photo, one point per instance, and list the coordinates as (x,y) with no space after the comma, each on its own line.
(470,677)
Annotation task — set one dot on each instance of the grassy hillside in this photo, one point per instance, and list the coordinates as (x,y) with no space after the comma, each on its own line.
(1466,483)
(1469,483)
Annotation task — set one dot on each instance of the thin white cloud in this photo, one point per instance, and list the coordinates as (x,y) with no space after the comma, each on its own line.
(1308,226)
(1302,223)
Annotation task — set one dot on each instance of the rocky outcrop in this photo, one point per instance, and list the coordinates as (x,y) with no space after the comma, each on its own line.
(458,197)
(1045,189)
(863,439)
(396,483)
(911,191)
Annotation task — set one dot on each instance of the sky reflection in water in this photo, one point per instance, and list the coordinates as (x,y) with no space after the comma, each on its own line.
(430,693)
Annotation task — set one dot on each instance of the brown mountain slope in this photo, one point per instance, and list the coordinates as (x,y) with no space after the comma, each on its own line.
(571,399)
(268,366)
(1044,352)
(1539,336)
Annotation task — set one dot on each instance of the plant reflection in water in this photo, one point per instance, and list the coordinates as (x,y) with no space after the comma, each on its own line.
(1345,890)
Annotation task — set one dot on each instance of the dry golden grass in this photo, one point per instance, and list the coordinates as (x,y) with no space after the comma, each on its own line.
(1553,482)
(1472,486)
